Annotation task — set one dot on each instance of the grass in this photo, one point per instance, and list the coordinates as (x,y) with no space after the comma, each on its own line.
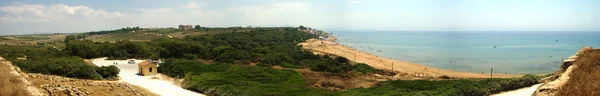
(253,81)
(122,36)
(10,85)
(3,38)
(226,79)
(32,38)
(462,87)
(584,79)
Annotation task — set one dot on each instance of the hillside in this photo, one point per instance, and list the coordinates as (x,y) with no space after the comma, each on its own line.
(32,40)
(148,34)
(578,76)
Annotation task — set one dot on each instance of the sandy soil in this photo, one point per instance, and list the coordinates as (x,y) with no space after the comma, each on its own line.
(163,87)
(331,47)
(58,85)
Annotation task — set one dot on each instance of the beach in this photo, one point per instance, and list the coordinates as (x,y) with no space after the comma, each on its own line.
(329,46)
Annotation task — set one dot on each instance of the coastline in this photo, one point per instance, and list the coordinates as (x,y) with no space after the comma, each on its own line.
(330,46)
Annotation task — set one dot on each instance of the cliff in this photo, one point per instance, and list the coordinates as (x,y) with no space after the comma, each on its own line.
(571,73)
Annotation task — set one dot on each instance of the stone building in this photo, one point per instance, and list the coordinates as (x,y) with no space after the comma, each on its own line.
(147,68)
(185,27)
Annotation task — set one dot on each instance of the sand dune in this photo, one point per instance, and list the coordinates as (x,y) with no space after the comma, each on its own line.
(329,46)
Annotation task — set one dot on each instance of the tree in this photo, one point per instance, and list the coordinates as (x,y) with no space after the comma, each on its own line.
(108,71)
(197,27)
(341,59)
(69,38)
(302,27)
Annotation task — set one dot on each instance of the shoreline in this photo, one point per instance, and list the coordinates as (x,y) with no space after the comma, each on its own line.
(330,46)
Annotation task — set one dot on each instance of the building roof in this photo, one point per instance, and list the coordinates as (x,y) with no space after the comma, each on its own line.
(144,63)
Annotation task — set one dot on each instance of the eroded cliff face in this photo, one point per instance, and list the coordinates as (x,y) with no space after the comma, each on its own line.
(551,84)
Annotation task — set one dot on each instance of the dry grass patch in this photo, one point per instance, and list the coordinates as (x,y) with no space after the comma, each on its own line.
(10,85)
(585,79)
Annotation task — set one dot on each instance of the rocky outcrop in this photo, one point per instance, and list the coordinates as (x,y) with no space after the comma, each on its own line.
(58,89)
(558,79)
(16,71)
(73,87)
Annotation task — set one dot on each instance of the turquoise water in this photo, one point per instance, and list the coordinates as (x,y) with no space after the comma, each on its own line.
(515,52)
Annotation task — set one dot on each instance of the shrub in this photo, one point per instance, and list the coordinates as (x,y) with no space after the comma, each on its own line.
(178,68)
(190,56)
(73,67)
(355,73)
(341,59)
(252,81)
(461,87)
(108,71)
(261,64)
(445,77)
(290,65)
(365,69)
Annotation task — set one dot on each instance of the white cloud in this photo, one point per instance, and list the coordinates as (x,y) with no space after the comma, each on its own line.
(292,6)
(67,18)
(40,13)
(191,5)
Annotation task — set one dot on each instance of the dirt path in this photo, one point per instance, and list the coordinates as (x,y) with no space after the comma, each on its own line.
(330,47)
(50,85)
(527,91)
(158,86)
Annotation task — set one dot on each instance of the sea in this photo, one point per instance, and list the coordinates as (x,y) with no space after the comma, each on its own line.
(510,52)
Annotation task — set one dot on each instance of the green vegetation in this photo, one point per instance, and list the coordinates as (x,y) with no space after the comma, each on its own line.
(180,68)
(3,38)
(461,87)
(265,46)
(119,50)
(47,60)
(225,79)
(366,69)
(122,30)
(32,38)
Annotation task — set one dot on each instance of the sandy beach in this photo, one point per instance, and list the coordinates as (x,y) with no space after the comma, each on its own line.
(329,46)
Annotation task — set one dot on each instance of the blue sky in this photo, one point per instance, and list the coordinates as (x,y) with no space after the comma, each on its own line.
(49,16)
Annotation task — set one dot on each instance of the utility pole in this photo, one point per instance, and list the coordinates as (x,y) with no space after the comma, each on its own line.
(392,64)
(491,72)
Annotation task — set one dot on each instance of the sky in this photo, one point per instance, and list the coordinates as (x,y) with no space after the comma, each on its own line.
(69,16)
